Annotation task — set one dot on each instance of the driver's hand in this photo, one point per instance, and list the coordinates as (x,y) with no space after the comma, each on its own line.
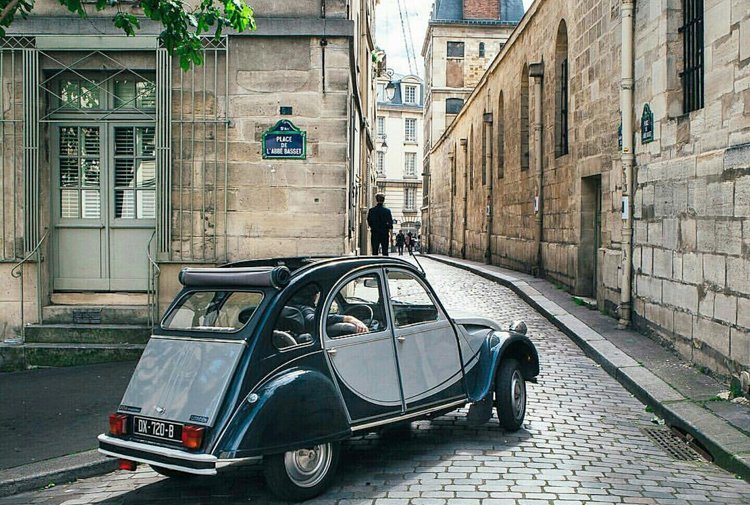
(361,327)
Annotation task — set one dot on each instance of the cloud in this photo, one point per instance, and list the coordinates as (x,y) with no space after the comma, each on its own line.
(389,34)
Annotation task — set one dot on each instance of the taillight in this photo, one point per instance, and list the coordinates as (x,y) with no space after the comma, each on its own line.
(192,436)
(118,424)
(126,464)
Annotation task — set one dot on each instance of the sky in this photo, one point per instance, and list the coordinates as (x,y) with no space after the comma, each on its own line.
(389,33)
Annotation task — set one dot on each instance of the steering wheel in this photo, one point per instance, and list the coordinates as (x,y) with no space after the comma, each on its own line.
(352,310)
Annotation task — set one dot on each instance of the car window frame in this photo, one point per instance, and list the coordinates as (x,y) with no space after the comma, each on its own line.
(272,327)
(186,293)
(441,313)
(333,294)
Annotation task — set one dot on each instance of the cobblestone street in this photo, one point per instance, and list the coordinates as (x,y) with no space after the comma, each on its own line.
(583,443)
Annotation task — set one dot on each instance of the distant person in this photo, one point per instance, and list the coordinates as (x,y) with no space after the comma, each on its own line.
(381,223)
(409,242)
(400,237)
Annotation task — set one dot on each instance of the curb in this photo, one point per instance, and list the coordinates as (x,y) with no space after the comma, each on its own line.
(54,471)
(729,447)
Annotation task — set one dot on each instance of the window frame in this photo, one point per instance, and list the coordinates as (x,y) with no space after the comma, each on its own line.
(693,61)
(453,46)
(454,100)
(438,308)
(407,137)
(220,334)
(410,172)
(333,294)
(410,89)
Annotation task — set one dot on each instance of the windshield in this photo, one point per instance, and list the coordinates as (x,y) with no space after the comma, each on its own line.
(223,311)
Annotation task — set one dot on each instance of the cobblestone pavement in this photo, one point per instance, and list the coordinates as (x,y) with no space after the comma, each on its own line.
(582,443)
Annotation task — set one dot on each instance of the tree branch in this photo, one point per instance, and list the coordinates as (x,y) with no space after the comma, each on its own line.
(8,8)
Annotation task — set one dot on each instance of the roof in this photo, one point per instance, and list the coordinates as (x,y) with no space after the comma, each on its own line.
(452,11)
(398,100)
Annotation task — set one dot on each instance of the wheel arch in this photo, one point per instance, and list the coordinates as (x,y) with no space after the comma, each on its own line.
(293,409)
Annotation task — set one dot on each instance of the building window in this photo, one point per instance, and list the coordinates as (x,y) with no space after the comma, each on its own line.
(381,164)
(481,49)
(455,49)
(692,40)
(524,129)
(381,126)
(410,165)
(453,105)
(561,91)
(410,129)
(381,92)
(410,94)
(410,198)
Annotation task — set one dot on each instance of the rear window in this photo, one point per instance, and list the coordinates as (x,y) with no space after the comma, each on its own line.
(222,311)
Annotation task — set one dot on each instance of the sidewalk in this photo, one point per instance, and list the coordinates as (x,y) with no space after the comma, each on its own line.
(677,392)
(49,420)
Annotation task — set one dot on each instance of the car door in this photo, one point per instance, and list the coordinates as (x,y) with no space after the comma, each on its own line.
(364,364)
(426,344)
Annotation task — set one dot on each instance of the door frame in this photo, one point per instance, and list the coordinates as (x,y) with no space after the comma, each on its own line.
(107,220)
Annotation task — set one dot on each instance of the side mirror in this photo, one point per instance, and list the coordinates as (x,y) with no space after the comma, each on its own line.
(518,326)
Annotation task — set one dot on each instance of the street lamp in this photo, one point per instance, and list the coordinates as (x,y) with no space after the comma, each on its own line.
(390,88)
(384,146)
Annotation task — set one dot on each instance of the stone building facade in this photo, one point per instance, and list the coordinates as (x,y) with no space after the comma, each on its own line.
(399,150)
(118,168)
(547,114)
(462,39)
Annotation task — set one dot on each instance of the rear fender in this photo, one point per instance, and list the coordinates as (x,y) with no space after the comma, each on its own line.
(500,345)
(295,409)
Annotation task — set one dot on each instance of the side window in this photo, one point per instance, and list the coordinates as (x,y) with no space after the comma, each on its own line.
(410,300)
(296,324)
(357,308)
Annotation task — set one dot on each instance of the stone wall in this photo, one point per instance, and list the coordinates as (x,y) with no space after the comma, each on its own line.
(691,260)
(691,277)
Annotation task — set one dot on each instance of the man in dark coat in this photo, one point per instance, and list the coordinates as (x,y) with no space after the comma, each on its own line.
(381,223)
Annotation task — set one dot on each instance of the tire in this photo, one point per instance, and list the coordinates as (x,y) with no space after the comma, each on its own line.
(510,395)
(168,472)
(302,474)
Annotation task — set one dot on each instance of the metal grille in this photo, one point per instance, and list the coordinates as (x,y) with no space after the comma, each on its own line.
(692,33)
(563,108)
(673,444)
(199,155)
(11,147)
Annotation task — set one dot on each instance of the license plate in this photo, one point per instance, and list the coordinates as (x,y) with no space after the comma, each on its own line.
(157,429)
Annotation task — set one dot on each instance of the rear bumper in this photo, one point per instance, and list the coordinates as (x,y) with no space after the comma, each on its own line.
(198,464)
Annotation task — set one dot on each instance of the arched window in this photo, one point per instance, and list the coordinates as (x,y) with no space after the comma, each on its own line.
(524,130)
(481,49)
(561,91)
(500,137)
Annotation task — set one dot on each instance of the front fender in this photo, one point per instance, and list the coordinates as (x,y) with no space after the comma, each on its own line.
(297,408)
(497,346)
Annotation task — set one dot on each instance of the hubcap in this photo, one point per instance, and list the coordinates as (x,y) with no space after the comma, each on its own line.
(518,395)
(307,467)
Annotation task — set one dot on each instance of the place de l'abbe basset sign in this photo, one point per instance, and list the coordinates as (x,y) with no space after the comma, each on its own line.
(284,142)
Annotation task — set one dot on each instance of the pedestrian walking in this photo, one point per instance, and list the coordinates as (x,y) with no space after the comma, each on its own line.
(381,223)
(409,241)
(400,238)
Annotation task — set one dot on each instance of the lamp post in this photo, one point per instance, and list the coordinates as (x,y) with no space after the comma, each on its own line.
(390,88)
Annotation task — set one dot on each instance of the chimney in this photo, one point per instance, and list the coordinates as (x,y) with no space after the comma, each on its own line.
(481,9)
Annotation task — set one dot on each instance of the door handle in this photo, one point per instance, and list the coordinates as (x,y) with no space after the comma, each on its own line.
(401,339)
(331,351)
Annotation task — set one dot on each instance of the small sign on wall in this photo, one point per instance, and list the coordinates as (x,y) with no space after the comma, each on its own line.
(285,141)
(647,125)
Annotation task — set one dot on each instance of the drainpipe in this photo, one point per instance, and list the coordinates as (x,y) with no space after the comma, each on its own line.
(464,144)
(628,160)
(536,71)
(490,197)
(452,158)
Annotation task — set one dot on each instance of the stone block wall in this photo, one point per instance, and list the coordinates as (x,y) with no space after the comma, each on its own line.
(691,259)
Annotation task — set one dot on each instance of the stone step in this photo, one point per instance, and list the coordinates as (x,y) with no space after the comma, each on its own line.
(96,314)
(22,357)
(93,298)
(87,334)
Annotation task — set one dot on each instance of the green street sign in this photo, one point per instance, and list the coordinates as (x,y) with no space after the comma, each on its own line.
(285,142)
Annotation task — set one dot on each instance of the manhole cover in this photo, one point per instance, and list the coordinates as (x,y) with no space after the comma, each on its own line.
(675,446)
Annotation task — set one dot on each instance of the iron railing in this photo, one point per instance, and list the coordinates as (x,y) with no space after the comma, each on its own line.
(17,273)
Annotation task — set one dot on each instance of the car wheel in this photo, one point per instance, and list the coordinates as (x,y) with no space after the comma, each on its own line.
(168,472)
(302,474)
(510,395)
